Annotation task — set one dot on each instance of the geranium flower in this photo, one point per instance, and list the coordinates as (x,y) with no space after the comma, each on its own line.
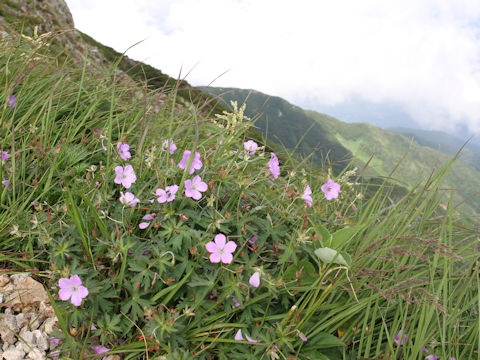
(103,138)
(273,165)
(255,279)
(12,102)
(250,147)
(123,151)
(125,176)
(398,337)
(98,349)
(235,302)
(172,146)
(432,357)
(5,182)
(221,251)
(331,189)
(196,163)
(72,289)
(128,199)
(4,155)
(306,196)
(166,195)
(194,187)
(239,337)
(148,217)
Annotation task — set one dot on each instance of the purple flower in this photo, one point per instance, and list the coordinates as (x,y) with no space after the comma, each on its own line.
(5,182)
(253,240)
(4,155)
(306,196)
(172,146)
(125,176)
(196,163)
(302,336)
(148,217)
(235,302)
(432,357)
(239,337)
(128,199)
(123,151)
(250,147)
(273,166)
(12,102)
(331,189)
(166,195)
(425,350)
(255,279)
(98,349)
(221,251)
(194,187)
(72,289)
(398,337)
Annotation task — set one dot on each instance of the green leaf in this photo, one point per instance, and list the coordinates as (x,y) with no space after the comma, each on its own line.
(320,229)
(341,237)
(328,255)
(324,341)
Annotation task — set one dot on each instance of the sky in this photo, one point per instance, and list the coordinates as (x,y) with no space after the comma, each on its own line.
(421,55)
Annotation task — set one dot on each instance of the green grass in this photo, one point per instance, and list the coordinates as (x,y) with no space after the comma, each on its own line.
(408,266)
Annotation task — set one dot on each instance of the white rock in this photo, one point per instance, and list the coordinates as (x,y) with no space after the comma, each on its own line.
(41,340)
(17,278)
(21,320)
(27,340)
(50,324)
(13,354)
(8,328)
(4,280)
(36,355)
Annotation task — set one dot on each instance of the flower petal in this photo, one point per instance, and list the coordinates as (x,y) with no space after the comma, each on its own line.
(220,240)
(215,257)
(227,258)
(211,247)
(65,293)
(230,247)
(238,336)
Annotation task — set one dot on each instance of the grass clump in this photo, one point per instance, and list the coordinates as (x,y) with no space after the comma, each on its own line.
(340,279)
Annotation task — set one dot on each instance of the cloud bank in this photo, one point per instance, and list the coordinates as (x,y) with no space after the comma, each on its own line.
(424,55)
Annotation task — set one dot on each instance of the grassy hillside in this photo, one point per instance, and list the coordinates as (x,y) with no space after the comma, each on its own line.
(290,125)
(202,250)
(416,162)
(287,124)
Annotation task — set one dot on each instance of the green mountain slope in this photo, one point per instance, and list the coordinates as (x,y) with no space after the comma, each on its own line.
(288,124)
(445,143)
(417,161)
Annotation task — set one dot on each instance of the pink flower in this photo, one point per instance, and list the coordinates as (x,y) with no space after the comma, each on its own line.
(128,199)
(172,146)
(98,349)
(250,147)
(5,182)
(235,302)
(125,176)
(221,251)
(196,163)
(123,151)
(432,357)
(4,155)
(239,337)
(255,279)
(331,189)
(306,196)
(273,166)
(194,187)
(72,289)
(166,195)
(148,217)
(398,337)
(302,336)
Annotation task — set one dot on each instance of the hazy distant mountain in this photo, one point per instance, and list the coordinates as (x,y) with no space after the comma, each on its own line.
(445,143)
(288,124)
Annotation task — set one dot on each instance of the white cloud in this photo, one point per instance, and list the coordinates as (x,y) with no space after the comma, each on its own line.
(424,54)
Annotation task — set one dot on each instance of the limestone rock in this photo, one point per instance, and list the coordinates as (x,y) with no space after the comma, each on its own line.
(13,354)
(36,354)
(24,292)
